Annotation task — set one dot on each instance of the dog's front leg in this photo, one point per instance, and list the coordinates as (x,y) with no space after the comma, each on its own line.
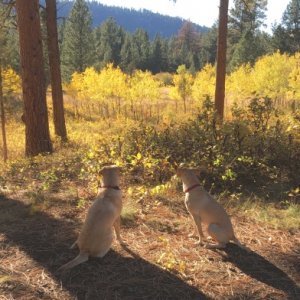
(117,226)
(197,220)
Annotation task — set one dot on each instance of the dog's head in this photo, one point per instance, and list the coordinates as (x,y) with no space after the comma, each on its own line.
(183,170)
(110,171)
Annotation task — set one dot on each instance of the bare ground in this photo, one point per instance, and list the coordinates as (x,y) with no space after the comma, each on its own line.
(160,261)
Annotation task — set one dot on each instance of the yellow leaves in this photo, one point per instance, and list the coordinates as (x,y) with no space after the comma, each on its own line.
(271,73)
(204,84)
(11,82)
(144,87)
(160,189)
(100,86)
(183,82)
(294,78)
(240,84)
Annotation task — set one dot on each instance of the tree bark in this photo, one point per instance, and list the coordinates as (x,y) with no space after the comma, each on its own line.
(37,136)
(5,156)
(221,59)
(55,73)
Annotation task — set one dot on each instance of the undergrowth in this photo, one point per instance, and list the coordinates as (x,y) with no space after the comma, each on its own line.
(253,158)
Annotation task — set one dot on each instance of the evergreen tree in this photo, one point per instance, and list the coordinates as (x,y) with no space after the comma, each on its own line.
(208,50)
(109,41)
(55,71)
(127,60)
(188,46)
(159,58)
(281,40)
(286,36)
(141,49)
(245,20)
(291,23)
(37,135)
(78,44)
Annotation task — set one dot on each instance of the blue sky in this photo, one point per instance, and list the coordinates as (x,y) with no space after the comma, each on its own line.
(202,12)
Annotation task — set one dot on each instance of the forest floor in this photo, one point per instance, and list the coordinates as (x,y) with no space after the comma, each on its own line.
(160,261)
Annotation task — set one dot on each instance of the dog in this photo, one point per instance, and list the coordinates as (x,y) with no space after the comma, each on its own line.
(96,236)
(203,208)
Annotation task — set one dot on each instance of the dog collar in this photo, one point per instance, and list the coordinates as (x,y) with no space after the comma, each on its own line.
(110,187)
(192,187)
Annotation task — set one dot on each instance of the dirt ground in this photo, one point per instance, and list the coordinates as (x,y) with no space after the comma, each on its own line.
(160,261)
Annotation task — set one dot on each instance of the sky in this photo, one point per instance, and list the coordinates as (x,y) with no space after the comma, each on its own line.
(202,12)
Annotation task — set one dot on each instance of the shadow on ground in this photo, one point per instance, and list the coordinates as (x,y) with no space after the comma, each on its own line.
(257,267)
(46,240)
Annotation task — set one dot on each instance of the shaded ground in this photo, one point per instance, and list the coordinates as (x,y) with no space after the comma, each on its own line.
(160,261)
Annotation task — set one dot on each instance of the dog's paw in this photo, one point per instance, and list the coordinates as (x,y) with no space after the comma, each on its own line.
(192,235)
(215,246)
(199,243)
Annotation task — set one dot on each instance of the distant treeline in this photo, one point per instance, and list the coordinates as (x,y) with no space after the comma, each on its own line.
(87,41)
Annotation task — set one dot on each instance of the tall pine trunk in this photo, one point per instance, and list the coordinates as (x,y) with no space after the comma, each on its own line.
(55,73)
(221,59)
(3,117)
(37,136)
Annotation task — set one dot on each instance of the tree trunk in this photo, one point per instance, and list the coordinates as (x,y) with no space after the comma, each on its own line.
(55,74)
(3,117)
(221,59)
(37,136)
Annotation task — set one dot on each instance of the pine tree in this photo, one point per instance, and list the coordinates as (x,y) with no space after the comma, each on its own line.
(159,57)
(208,50)
(55,72)
(9,57)
(291,23)
(33,79)
(109,41)
(188,46)
(245,20)
(78,49)
(127,60)
(141,49)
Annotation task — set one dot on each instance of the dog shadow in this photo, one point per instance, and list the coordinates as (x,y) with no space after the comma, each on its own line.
(260,269)
(46,240)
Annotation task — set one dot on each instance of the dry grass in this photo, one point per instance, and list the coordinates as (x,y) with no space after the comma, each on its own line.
(159,262)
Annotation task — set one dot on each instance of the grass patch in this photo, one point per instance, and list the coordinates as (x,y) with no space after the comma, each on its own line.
(129,214)
(285,216)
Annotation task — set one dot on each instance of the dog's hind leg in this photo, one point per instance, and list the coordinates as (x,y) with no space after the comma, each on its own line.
(219,234)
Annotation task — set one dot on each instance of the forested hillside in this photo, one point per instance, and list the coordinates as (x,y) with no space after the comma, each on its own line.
(130,19)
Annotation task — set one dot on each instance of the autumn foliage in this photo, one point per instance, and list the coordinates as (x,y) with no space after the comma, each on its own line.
(142,95)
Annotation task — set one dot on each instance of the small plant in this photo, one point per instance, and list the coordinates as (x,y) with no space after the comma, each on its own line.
(168,260)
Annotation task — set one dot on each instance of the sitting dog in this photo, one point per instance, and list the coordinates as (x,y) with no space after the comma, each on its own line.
(96,236)
(203,208)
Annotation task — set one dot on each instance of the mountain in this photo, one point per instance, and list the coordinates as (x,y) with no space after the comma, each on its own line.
(131,19)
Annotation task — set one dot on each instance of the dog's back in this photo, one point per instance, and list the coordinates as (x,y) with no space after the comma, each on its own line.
(96,235)
(202,203)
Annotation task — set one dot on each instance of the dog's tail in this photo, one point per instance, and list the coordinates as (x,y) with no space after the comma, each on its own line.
(81,258)
(238,243)
(73,245)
